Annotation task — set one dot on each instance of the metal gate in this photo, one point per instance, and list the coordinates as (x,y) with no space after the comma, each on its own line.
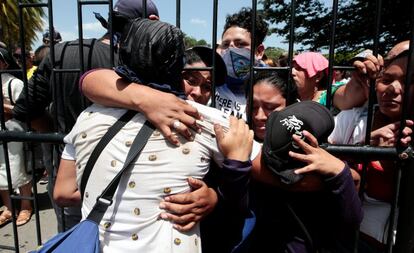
(402,227)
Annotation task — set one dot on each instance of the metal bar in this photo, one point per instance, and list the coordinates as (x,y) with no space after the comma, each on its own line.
(9,136)
(80,34)
(111,33)
(92,2)
(214,46)
(252,61)
(178,13)
(291,43)
(144,13)
(24,59)
(13,196)
(11,71)
(362,152)
(65,70)
(8,248)
(52,82)
(8,173)
(26,5)
(405,225)
(271,68)
(331,54)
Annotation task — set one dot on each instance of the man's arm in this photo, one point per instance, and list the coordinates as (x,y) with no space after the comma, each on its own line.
(105,87)
(355,93)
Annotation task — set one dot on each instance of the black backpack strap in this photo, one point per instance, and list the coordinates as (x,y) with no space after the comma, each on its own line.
(112,131)
(105,199)
(9,90)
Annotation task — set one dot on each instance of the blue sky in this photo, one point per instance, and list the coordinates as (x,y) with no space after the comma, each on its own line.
(196,18)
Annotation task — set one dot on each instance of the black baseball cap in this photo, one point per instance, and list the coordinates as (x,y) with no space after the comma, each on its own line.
(134,8)
(206,55)
(281,125)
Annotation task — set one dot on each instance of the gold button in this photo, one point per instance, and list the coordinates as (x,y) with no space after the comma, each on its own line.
(186,151)
(134,237)
(86,194)
(152,157)
(177,241)
(156,133)
(167,190)
(83,135)
(131,184)
(137,211)
(113,163)
(128,143)
(106,225)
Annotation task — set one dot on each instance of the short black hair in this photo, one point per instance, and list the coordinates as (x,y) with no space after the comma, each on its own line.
(40,53)
(243,19)
(191,57)
(279,81)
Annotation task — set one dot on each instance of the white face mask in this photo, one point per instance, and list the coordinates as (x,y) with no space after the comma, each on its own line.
(237,62)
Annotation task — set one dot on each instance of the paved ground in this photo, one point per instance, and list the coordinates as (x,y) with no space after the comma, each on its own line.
(27,235)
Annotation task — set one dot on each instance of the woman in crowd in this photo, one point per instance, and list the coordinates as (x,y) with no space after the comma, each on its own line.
(270,93)
(301,218)
(350,129)
(12,87)
(310,74)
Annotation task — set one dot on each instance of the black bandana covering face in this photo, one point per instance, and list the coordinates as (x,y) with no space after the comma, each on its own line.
(154,52)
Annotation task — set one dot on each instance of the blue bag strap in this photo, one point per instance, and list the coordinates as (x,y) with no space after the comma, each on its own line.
(248,226)
(105,199)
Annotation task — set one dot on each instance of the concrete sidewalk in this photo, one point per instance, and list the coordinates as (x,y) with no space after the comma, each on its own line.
(27,233)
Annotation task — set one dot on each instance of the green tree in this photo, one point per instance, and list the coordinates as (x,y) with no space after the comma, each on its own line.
(355,23)
(274,52)
(9,22)
(191,42)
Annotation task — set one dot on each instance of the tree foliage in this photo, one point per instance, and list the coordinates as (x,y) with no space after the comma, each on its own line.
(9,22)
(355,28)
(191,42)
(274,52)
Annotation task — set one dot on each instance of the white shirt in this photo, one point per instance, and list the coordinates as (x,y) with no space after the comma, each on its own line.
(131,223)
(230,103)
(15,149)
(16,87)
(350,128)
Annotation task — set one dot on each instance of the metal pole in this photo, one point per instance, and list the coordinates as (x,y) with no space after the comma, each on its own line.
(331,54)
(214,46)
(405,227)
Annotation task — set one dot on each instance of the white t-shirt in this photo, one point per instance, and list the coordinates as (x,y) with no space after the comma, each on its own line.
(230,103)
(16,87)
(15,149)
(131,223)
(350,126)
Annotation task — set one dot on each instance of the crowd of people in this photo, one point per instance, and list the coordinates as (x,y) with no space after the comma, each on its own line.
(205,181)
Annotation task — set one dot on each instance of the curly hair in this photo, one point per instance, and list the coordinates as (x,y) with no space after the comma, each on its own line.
(243,19)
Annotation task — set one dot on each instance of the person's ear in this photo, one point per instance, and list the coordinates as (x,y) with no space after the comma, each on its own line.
(260,51)
(153,17)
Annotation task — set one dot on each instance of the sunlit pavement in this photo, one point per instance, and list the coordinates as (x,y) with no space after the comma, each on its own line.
(27,233)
